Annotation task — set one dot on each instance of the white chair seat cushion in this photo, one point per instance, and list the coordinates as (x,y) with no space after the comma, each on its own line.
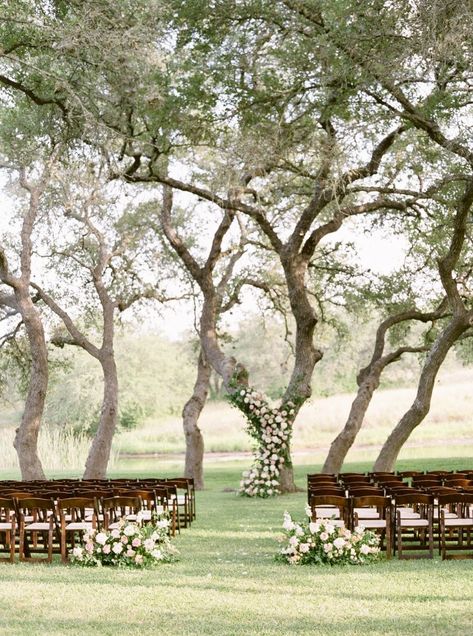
(79,525)
(458,522)
(339,523)
(408,513)
(447,515)
(38,525)
(326,513)
(181,499)
(6,525)
(414,523)
(373,523)
(367,513)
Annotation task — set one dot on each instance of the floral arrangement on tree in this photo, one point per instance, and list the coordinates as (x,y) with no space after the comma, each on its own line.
(322,542)
(130,545)
(271,429)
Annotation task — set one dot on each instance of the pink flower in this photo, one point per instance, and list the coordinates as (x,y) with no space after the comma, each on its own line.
(138,559)
(106,548)
(124,539)
(136,542)
(89,547)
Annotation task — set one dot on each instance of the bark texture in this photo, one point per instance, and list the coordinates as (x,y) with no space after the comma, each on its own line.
(99,453)
(26,438)
(420,407)
(194,464)
(368,380)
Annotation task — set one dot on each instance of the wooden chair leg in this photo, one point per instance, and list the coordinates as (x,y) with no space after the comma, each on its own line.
(63,546)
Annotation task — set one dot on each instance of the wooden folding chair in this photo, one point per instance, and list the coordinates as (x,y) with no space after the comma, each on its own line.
(414,525)
(116,508)
(456,526)
(334,508)
(374,513)
(37,528)
(7,528)
(77,515)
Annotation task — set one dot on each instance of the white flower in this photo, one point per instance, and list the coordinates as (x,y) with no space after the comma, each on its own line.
(323,536)
(304,547)
(117,547)
(308,511)
(328,547)
(77,552)
(293,541)
(329,528)
(157,554)
(148,544)
(242,392)
(101,538)
(299,531)
(365,549)
(130,530)
(314,527)
(339,543)
(115,533)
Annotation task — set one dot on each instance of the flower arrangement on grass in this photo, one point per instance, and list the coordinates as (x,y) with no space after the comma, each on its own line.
(271,429)
(130,545)
(322,542)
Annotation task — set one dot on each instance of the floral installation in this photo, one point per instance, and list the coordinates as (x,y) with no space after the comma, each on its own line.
(131,544)
(271,429)
(322,542)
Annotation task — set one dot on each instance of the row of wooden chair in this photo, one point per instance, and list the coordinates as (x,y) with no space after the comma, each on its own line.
(179,491)
(407,519)
(41,525)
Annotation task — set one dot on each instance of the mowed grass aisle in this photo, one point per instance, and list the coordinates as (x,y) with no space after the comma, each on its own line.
(227,582)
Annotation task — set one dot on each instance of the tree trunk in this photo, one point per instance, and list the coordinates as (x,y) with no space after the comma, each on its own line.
(26,439)
(190,416)
(344,440)
(299,388)
(99,454)
(420,407)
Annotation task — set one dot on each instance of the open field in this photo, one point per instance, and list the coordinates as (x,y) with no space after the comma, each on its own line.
(447,431)
(227,583)
(450,422)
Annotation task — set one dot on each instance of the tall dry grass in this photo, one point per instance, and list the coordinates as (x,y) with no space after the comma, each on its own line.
(58,450)
(450,418)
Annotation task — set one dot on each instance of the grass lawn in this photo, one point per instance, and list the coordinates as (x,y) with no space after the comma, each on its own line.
(227,582)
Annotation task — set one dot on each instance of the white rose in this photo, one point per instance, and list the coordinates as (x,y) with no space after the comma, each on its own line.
(339,543)
(117,547)
(130,530)
(304,547)
(101,538)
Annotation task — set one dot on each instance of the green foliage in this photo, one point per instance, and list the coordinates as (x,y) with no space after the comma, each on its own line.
(155,379)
